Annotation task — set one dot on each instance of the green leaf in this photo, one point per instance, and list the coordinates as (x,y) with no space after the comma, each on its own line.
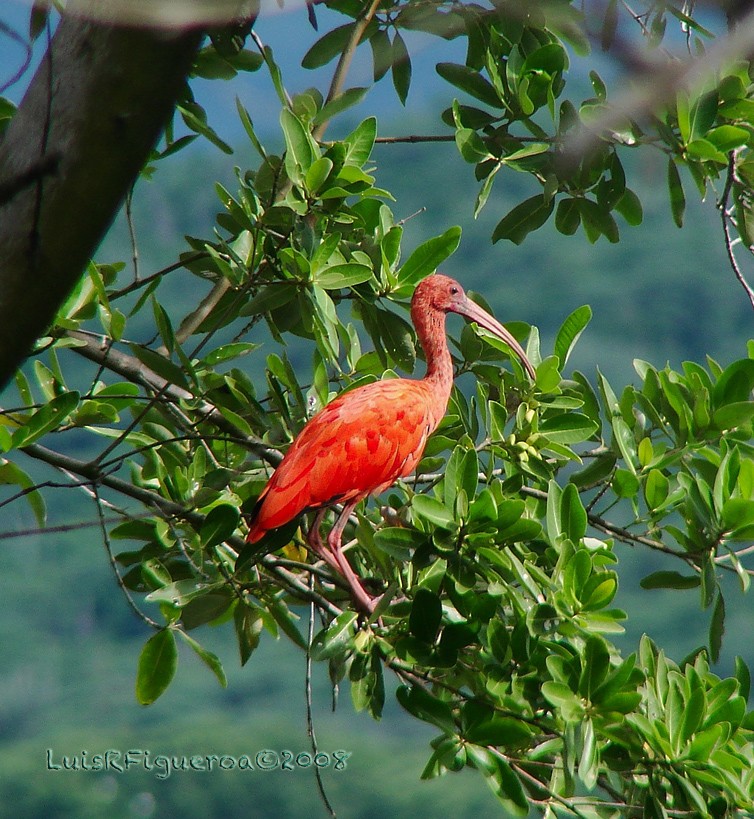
(270,297)
(568,428)
(735,383)
(345,100)
(656,488)
(532,149)
(693,713)
(728,137)
(382,53)
(248,126)
(157,665)
(569,332)
(46,419)
(506,785)
(228,352)
(398,542)
(677,197)
(426,258)
(567,216)
(548,375)
(595,664)
(523,219)
(181,592)
(625,484)
(432,510)
(426,615)
(499,731)
(248,624)
(338,276)
(196,119)
(702,115)
(401,67)
(588,769)
(11,474)
(286,620)
(733,415)
(359,142)
(484,191)
(630,208)
(300,149)
(597,221)
(209,658)
(397,337)
(703,150)
(160,365)
(461,474)
(669,580)
(470,81)
(367,683)
(470,145)
(573,517)
(743,676)
(220,523)
(328,47)
(317,174)
(423,705)
(717,628)
(336,639)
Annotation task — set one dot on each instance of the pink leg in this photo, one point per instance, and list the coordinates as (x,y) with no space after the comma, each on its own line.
(363,599)
(318,547)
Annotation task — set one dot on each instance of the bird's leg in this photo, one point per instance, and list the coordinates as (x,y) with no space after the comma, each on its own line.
(363,599)
(314,540)
(333,555)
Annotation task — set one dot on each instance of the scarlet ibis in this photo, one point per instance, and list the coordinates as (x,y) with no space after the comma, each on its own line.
(365,439)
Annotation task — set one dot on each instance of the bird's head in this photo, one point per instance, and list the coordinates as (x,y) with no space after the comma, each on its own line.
(443,294)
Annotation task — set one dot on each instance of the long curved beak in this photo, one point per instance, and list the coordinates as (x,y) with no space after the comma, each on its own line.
(473,312)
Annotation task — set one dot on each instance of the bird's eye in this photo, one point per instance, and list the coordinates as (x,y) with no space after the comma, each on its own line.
(453,291)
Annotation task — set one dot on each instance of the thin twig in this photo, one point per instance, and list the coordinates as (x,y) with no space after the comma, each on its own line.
(524,774)
(412,138)
(726,219)
(26,45)
(113,564)
(132,233)
(147,280)
(308,694)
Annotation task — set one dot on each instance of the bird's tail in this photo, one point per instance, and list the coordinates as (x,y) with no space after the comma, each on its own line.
(256,530)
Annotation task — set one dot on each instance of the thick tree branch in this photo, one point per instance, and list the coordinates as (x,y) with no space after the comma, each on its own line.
(97,104)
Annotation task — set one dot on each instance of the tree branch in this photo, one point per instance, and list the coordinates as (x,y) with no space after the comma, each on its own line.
(170,509)
(133,370)
(97,103)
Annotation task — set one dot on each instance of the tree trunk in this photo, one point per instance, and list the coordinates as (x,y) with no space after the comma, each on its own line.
(93,111)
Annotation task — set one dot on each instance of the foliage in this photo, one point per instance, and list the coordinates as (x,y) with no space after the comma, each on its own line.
(496,563)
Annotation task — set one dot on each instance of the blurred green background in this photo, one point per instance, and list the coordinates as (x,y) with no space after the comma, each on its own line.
(69,660)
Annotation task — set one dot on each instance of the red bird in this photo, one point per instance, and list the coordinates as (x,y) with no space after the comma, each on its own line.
(365,439)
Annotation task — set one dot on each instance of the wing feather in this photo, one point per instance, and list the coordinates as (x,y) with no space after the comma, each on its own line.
(360,443)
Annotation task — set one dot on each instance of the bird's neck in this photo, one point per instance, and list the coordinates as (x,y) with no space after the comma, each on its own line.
(430,328)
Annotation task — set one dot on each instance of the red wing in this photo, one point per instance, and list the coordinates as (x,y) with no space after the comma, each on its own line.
(361,442)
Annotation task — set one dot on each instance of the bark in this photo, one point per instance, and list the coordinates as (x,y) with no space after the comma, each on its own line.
(83,131)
